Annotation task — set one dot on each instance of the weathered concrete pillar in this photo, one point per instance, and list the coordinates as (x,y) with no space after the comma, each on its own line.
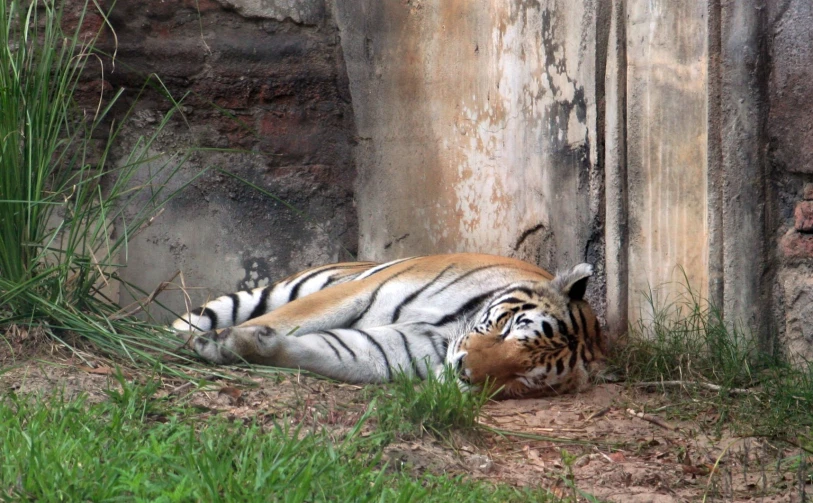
(667,142)
(478,128)
(714,159)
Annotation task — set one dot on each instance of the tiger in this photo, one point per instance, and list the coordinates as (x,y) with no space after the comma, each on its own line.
(497,322)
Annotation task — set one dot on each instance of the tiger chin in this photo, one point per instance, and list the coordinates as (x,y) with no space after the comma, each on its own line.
(498,322)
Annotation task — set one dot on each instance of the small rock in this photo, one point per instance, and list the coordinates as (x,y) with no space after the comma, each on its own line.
(481,463)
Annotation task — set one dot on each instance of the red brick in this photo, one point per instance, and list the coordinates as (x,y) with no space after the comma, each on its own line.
(796,245)
(803,216)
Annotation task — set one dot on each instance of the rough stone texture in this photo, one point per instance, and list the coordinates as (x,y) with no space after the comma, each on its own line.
(746,198)
(808,192)
(789,128)
(803,216)
(275,93)
(797,340)
(310,12)
(790,123)
(794,245)
(667,130)
(616,231)
(477,127)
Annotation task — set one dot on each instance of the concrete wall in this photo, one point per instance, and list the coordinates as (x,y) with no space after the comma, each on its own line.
(666,142)
(643,136)
(478,128)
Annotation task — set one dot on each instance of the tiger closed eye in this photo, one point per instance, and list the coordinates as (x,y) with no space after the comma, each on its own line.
(547,329)
(522,322)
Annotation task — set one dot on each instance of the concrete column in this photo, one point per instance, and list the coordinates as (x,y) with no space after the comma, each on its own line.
(667,134)
(714,158)
(478,128)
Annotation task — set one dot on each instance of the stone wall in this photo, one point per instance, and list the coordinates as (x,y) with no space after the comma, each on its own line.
(667,142)
(789,169)
(266,91)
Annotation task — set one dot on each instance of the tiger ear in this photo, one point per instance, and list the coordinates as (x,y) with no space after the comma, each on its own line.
(573,283)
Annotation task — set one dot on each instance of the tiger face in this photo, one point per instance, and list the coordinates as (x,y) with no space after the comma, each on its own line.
(532,339)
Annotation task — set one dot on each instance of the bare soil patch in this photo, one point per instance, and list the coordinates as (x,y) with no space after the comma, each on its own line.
(612,452)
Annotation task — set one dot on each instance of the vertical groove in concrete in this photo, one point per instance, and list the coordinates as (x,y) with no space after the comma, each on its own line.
(595,251)
(616,174)
(714,160)
(744,73)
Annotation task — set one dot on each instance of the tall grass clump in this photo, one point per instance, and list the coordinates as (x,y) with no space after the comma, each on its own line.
(687,346)
(688,339)
(436,405)
(66,211)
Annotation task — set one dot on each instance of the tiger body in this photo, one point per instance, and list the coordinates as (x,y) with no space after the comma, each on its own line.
(492,319)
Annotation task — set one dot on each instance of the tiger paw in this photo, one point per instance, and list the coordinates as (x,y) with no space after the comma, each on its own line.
(215,346)
(258,344)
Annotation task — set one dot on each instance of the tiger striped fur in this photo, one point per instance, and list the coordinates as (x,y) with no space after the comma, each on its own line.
(493,319)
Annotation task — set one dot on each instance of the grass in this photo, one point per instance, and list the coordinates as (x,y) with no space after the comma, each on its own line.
(710,367)
(689,339)
(68,209)
(690,345)
(436,405)
(68,214)
(137,447)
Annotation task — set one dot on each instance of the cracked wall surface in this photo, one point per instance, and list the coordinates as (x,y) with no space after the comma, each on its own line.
(477,128)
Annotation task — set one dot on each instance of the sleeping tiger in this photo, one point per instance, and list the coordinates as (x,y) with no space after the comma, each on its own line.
(492,319)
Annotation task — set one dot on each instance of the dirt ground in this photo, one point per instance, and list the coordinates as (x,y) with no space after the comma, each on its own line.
(621,443)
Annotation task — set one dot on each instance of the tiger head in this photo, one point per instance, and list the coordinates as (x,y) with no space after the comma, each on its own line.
(532,339)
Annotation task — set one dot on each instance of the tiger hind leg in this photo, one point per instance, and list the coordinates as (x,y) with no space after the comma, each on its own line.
(350,355)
